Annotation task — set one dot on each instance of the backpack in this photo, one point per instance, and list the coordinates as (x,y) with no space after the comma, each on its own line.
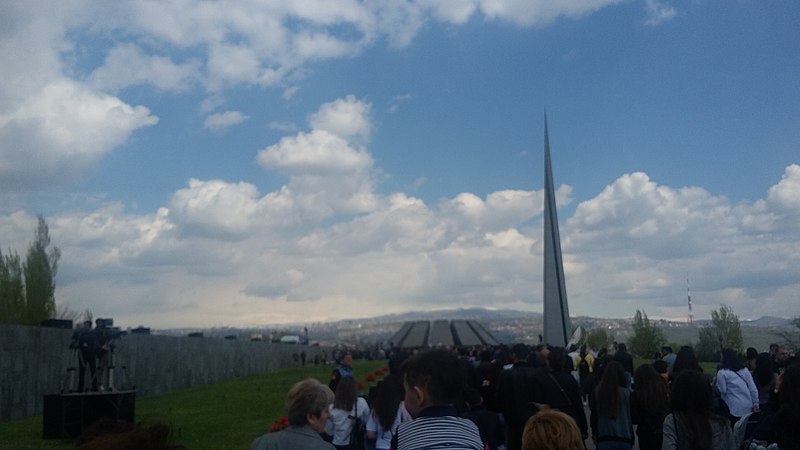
(358,434)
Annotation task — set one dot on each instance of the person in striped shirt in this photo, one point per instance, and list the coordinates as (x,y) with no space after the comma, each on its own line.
(434,382)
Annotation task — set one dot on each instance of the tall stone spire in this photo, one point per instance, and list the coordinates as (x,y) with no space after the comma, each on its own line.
(557,326)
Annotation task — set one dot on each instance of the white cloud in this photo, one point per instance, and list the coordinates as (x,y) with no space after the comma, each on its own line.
(347,118)
(60,132)
(220,122)
(540,12)
(658,12)
(222,253)
(127,65)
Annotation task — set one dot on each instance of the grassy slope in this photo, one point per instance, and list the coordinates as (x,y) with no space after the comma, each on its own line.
(227,415)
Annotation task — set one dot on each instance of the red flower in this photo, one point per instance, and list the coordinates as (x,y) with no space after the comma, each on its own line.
(370,378)
(279,424)
(359,386)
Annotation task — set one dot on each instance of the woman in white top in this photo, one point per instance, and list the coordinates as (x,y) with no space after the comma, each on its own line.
(736,387)
(388,412)
(347,408)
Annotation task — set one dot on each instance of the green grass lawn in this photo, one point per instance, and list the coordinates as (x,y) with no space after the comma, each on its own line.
(226,415)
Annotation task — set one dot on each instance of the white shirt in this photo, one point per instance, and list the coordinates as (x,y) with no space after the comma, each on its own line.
(340,424)
(383,438)
(738,390)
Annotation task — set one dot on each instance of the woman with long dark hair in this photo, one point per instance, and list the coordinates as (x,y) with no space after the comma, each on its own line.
(611,416)
(692,424)
(780,422)
(347,407)
(387,412)
(735,386)
(650,406)
(764,377)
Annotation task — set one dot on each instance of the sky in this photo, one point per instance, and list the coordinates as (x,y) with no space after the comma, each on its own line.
(246,163)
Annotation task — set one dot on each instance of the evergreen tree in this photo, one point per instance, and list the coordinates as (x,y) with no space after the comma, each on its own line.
(40,270)
(647,338)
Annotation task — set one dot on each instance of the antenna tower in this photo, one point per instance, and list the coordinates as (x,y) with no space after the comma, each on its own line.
(689,296)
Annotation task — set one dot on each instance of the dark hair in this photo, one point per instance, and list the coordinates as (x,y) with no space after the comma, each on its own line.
(520,351)
(439,372)
(345,396)
(691,403)
(557,359)
(652,393)
(621,347)
(750,353)
(666,348)
(788,416)
(387,399)
(660,366)
(685,359)
(763,373)
(730,360)
(607,392)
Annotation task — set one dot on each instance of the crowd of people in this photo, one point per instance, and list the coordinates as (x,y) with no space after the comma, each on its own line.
(538,397)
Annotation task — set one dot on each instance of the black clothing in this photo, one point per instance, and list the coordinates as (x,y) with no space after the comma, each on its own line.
(649,423)
(516,392)
(488,425)
(559,390)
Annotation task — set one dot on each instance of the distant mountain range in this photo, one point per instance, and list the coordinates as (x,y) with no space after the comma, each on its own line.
(501,314)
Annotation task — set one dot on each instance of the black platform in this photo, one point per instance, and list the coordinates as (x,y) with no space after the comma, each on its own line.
(67,415)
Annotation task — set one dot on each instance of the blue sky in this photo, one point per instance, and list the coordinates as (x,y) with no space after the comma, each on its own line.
(249,163)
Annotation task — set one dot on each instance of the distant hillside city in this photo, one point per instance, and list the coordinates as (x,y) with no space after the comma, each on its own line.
(507,326)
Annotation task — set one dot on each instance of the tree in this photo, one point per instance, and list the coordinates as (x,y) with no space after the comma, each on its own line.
(598,338)
(12,289)
(40,270)
(725,331)
(790,337)
(647,338)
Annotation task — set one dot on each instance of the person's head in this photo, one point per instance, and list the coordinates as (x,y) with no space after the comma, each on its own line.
(347,358)
(622,348)
(100,323)
(607,391)
(691,392)
(751,353)
(782,354)
(773,349)
(308,403)
(666,350)
(730,360)
(520,352)
(432,377)
(651,390)
(551,429)
(662,368)
(557,359)
(762,374)
(789,389)
(685,359)
(346,393)
(87,324)
(691,402)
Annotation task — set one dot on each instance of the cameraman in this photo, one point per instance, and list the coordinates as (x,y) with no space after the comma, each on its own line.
(84,341)
(103,349)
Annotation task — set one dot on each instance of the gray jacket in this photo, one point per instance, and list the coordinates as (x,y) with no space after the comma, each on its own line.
(292,438)
(722,435)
